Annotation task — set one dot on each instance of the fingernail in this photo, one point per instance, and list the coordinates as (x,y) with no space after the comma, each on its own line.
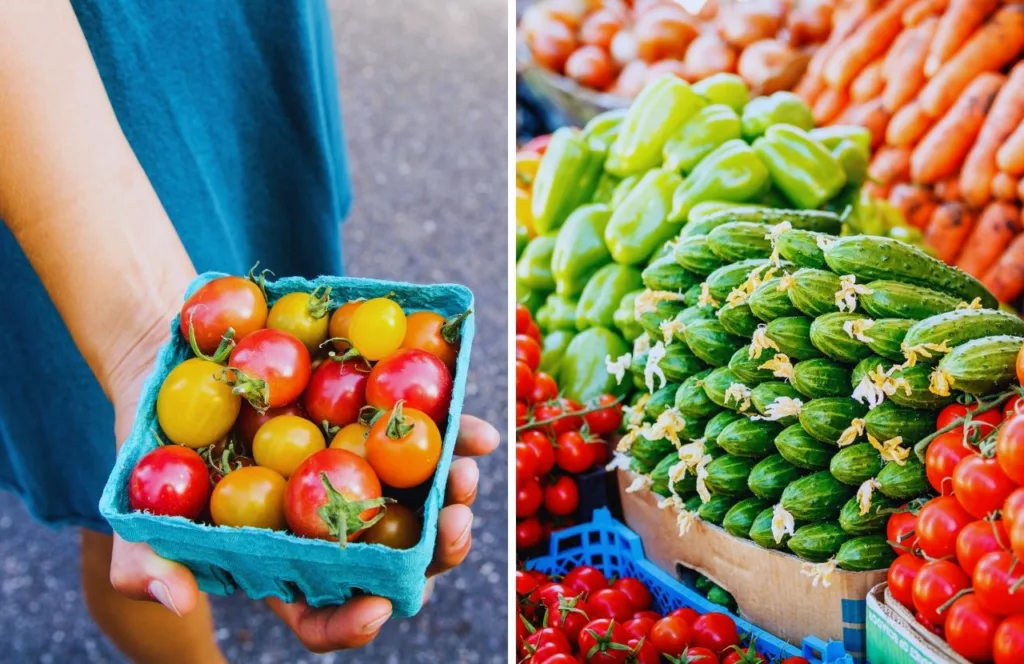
(464,537)
(159,591)
(374,626)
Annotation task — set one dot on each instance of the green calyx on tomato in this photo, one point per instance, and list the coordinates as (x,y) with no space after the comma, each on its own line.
(223,352)
(254,390)
(261,278)
(342,516)
(319,302)
(398,426)
(369,415)
(451,331)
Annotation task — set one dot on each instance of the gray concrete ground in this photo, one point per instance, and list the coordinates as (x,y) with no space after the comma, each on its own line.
(425,103)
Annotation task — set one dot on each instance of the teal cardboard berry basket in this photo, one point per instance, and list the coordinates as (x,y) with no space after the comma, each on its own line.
(265,563)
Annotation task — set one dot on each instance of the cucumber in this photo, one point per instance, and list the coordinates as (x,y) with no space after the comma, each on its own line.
(720,596)
(892,299)
(918,378)
(829,336)
(867,366)
(817,542)
(816,497)
(983,366)
(800,248)
(717,423)
(792,334)
(865,553)
(659,476)
(958,327)
(812,220)
(803,450)
(887,335)
(722,281)
(705,225)
(761,531)
(740,240)
(693,503)
(814,292)
(647,453)
(820,377)
(694,254)
(665,274)
(695,313)
(875,521)
(856,464)
(765,394)
(747,370)
(749,438)
(663,311)
(692,296)
(680,363)
(727,475)
(691,399)
(660,401)
(688,484)
(714,510)
(710,342)
(871,257)
(715,385)
(904,482)
(889,420)
(826,419)
(770,477)
(767,302)
(738,319)
(740,517)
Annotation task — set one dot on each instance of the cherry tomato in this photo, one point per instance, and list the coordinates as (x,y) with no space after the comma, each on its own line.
(544,388)
(941,459)
(529,498)
(1010,448)
(276,364)
(901,575)
(399,528)
(1008,643)
(1013,407)
(226,302)
(573,454)
(936,582)
(250,420)
(533,331)
(598,637)
(994,578)
(607,420)
(351,437)
(686,613)
(557,658)
(700,656)
(715,631)
(977,539)
(585,579)
(737,655)
(304,316)
(1013,508)
(795,660)
(984,422)
(523,318)
(561,497)
(285,442)
(638,628)
(569,615)
(403,447)
(600,27)
(940,521)
(900,531)
(528,351)
(553,593)
(551,43)
(351,490)
(529,533)
(981,486)
(430,332)
(414,376)
(970,629)
(377,328)
(171,481)
(550,639)
(337,392)
(672,635)
(252,496)
(524,381)
(338,326)
(542,449)
(611,603)
(526,464)
(643,652)
(638,594)
(928,626)
(592,67)
(522,413)
(562,409)
(193,408)
(664,33)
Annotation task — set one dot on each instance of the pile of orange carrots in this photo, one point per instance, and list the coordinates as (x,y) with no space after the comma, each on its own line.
(940,84)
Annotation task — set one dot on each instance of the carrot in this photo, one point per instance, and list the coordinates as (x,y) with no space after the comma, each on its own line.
(1006,114)
(998,224)
(869,83)
(905,76)
(948,190)
(1006,278)
(871,116)
(847,18)
(1004,187)
(908,125)
(921,10)
(890,164)
(870,40)
(1010,157)
(809,88)
(947,230)
(1020,191)
(916,204)
(830,103)
(896,53)
(941,152)
(961,19)
(993,46)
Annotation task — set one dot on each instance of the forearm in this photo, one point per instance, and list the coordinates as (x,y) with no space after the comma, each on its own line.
(74,195)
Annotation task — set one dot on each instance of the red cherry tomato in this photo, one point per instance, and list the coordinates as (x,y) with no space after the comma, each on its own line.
(227,302)
(795,660)
(653,615)
(637,628)
(350,483)
(544,388)
(562,409)
(611,603)
(529,499)
(548,639)
(276,358)
(1013,507)
(538,144)
(936,582)
(970,629)
(643,652)
(1008,642)
(337,392)
(414,376)
(638,594)
(671,635)
(607,420)
(542,449)
(528,351)
(1014,406)
(994,577)
(686,613)
(250,420)
(524,382)
(1010,448)
(901,575)
(585,579)
(596,638)
(569,615)
(533,332)
(529,533)
(526,583)
(978,538)
(748,655)
(981,486)
(940,521)
(522,413)
(983,425)
(573,454)
(523,318)
(900,532)
(526,464)
(701,656)
(715,631)
(171,481)
(561,497)
(941,459)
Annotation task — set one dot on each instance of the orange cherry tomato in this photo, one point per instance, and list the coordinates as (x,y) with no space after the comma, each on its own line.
(430,332)
(285,442)
(404,447)
(250,496)
(664,32)
(600,28)
(351,437)
(399,528)
(551,42)
(338,325)
(591,66)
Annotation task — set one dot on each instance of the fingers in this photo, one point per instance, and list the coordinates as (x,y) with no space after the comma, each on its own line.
(137,572)
(454,538)
(351,625)
(476,437)
(463,478)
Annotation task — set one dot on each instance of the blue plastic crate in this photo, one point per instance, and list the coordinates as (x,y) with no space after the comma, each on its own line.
(265,563)
(617,551)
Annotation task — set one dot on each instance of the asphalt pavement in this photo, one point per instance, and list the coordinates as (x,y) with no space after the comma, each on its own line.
(424,97)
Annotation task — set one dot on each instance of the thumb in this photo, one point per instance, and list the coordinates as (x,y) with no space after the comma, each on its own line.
(138,573)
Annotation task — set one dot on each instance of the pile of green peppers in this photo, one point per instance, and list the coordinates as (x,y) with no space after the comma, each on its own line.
(608,198)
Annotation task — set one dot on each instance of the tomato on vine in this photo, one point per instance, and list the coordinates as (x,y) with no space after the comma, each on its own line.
(982,424)
(333,495)
(970,629)
(403,447)
(935,584)
(415,377)
(524,382)
(981,486)
(526,464)
(561,497)
(900,530)
(995,577)
(193,408)
(978,538)
(251,496)
(284,442)
(170,481)
(1010,448)
(1008,642)
(377,328)
(900,577)
(234,303)
(941,459)
(528,351)
(608,419)
(544,388)
(273,368)
(938,525)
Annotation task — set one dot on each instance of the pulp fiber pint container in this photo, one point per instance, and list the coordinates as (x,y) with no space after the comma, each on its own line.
(265,563)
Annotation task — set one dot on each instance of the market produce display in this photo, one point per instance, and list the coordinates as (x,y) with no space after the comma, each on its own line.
(940,85)
(618,45)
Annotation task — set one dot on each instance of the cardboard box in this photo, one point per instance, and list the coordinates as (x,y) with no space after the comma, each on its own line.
(894,637)
(769,586)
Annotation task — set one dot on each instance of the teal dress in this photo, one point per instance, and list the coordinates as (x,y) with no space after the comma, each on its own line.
(232,108)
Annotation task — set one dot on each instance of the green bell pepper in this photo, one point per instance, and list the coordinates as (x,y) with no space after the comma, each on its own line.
(625,318)
(801,167)
(770,198)
(709,128)
(602,129)
(733,172)
(534,266)
(606,186)
(780,108)
(638,225)
(529,298)
(832,136)
(557,313)
(579,250)
(603,293)
(728,89)
(566,178)
(622,190)
(583,375)
(703,210)
(853,159)
(553,349)
(522,239)
(656,114)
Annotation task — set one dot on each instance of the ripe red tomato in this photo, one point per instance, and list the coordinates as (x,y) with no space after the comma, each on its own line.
(557,658)
(984,422)
(430,332)
(171,481)
(561,497)
(941,459)
(585,579)
(522,414)
(549,640)
(569,615)
(638,594)
(1010,448)
(746,655)
(526,464)
(607,420)
(638,628)
(523,317)
(573,454)
(642,652)
(542,449)
(526,583)
(414,376)
(528,351)
(592,67)
(529,533)
(276,364)
(529,499)
(524,382)
(611,603)
(994,578)
(795,660)
(597,637)
(563,409)
(981,486)
(552,593)
(533,331)
(352,486)
(938,524)
(701,656)
(250,420)
(900,531)
(977,539)
(226,302)
(600,28)
(653,615)
(970,629)
(671,635)
(901,575)
(544,388)
(337,392)
(1015,406)
(715,631)
(686,613)
(1013,507)
(937,581)
(404,447)
(1008,643)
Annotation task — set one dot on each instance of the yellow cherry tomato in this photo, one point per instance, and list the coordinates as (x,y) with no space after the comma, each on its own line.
(377,328)
(303,315)
(284,442)
(193,408)
(352,437)
(523,214)
(250,496)
(339,325)
(527,164)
